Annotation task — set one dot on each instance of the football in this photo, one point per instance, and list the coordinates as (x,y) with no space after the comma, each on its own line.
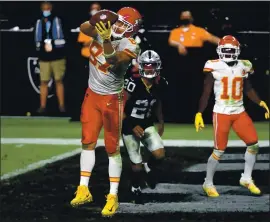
(104,16)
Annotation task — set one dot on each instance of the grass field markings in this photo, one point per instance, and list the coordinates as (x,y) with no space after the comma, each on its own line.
(179,188)
(225,203)
(42,163)
(19,145)
(241,156)
(63,156)
(39,164)
(169,188)
(171,143)
(201,167)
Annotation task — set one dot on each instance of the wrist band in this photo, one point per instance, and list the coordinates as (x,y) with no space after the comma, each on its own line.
(107,40)
(109,55)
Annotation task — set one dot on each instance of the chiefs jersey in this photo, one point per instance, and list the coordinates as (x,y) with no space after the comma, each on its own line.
(228,85)
(141,103)
(105,78)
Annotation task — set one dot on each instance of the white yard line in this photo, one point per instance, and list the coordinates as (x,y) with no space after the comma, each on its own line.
(42,163)
(238,202)
(171,143)
(201,167)
(226,203)
(179,188)
(241,156)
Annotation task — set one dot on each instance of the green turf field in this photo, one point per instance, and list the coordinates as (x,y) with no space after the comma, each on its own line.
(62,128)
(19,155)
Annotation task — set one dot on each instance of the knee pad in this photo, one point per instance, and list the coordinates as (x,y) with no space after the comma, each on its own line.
(253,149)
(217,154)
(134,156)
(152,140)
(133,148)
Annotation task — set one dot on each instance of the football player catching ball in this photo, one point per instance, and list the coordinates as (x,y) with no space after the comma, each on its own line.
(103,102)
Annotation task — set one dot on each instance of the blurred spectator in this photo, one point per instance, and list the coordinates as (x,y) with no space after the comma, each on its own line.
(189,35)
(84,39)
(80,84)
(50,45)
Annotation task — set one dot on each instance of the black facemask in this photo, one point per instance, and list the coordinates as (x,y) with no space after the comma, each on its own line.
(185,21)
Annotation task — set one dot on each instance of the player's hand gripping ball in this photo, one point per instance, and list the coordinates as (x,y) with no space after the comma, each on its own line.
(103,31)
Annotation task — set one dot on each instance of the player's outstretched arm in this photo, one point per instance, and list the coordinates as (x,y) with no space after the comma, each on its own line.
(159,115)
(207,89)
(87,29)
(253,96)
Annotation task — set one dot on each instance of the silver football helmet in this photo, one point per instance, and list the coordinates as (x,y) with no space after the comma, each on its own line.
(149,64)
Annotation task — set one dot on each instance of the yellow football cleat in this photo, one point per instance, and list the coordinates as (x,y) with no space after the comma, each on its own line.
(210,190)
(111,206)
(251,186)
(83,196)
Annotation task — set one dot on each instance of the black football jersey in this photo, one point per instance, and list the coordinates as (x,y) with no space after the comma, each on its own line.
(141,105)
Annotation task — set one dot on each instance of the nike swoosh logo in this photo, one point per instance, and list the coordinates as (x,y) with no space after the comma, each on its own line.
(111,209)
(108,104)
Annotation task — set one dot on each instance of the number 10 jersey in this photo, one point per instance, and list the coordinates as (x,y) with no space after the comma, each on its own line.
(228,85)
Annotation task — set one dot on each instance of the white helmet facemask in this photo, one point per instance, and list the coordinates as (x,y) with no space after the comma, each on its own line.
(228,52)
(121,27)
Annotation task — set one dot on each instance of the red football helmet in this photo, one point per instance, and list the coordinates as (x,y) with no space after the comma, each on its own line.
(128,23)
(228,48)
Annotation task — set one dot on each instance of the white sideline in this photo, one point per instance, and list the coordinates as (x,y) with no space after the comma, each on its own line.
(172,143)
(41,163)
(201,167)
(56,141)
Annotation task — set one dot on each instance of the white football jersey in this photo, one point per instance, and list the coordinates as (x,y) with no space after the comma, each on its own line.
(228,85)
(105,78)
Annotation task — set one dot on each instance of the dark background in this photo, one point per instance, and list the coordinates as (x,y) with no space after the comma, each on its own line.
(184,74)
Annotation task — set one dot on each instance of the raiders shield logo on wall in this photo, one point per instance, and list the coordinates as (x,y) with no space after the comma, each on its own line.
(33,74)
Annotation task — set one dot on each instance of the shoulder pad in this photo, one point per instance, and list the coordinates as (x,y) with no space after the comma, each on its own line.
(211,65)
(247,66)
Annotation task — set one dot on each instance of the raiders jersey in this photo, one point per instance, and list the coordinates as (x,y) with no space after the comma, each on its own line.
(140,107)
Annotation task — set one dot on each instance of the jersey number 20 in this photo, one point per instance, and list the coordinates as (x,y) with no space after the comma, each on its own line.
(237,83)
